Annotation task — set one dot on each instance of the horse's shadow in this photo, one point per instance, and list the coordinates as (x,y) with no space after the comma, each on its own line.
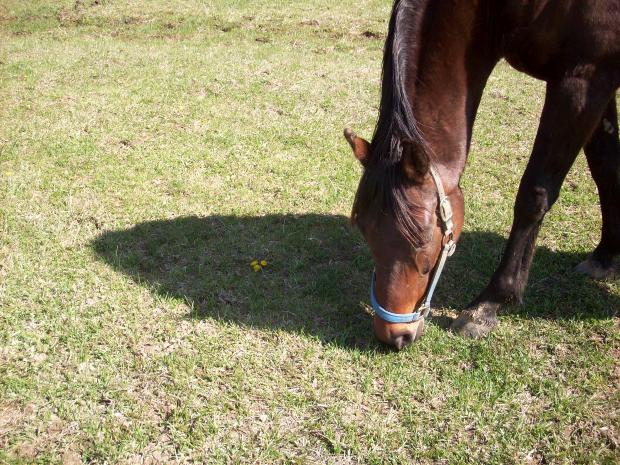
(317,273)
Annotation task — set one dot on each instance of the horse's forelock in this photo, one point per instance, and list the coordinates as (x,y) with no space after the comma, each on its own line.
(382,188)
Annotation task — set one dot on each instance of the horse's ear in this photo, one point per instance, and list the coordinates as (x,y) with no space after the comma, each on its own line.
(415,160)
(361,147)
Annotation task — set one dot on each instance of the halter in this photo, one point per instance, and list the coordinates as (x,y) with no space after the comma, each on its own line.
(449,246)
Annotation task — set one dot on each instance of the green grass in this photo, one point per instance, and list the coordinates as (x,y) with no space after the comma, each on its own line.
(149,151)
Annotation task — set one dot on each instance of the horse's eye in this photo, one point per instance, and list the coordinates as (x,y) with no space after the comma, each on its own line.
(427,268)
(422,262)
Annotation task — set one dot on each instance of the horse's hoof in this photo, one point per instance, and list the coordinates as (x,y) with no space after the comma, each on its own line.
(595,270)
(475,323)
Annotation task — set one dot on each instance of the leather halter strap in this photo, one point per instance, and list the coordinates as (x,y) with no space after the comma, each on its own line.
(448,248)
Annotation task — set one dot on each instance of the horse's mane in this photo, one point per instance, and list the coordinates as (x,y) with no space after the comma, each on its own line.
(382,186)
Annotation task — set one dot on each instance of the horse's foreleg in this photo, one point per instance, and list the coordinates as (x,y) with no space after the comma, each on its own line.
(572,109)
(603,154)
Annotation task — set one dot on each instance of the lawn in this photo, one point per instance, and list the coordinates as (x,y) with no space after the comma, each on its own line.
(150,150)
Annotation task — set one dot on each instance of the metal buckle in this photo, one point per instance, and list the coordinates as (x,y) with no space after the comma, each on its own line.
(445,209)
(451,245)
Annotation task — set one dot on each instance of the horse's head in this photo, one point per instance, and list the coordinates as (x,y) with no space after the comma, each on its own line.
(408,222)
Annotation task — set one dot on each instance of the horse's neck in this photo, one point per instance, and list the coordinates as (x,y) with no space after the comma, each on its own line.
(456,59)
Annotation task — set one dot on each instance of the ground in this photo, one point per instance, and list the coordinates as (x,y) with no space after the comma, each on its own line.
(151,150)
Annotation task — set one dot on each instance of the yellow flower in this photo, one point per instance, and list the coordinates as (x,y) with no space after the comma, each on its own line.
(263,263)
(256,267)
(254,262)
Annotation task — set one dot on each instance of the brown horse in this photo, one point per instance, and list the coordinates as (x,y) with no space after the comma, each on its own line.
(437,58)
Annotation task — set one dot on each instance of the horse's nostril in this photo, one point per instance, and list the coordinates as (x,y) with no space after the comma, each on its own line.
(403,341)
(398,335)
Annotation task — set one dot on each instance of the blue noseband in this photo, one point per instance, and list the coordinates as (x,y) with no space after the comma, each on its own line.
(388,316)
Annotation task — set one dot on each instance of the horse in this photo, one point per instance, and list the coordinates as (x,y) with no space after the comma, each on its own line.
(437,58)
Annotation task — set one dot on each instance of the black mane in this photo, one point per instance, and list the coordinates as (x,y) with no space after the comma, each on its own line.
(382,186)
